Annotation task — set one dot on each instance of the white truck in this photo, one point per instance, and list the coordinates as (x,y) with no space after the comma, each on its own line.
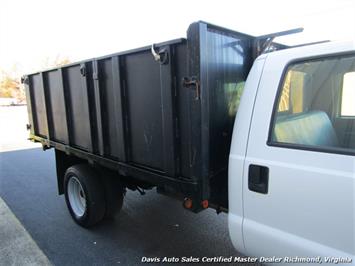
(279,160)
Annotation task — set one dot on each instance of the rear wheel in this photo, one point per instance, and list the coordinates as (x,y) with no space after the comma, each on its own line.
(84,195)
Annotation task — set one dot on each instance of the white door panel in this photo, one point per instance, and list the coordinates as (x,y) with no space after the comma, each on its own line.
(307,204)
(285,244)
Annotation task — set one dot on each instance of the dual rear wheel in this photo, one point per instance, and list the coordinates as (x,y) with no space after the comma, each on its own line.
(91,196)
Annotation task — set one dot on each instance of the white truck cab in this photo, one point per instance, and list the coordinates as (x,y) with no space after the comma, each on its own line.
(291,164)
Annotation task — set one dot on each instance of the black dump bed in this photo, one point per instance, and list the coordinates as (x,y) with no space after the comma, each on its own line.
(167,122)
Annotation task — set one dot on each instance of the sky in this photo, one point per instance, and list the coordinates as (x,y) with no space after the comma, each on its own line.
(33,32)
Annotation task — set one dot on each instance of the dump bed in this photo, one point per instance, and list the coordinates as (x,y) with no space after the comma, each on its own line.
(166,119)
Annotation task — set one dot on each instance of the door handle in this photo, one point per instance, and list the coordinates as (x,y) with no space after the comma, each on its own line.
(258,178)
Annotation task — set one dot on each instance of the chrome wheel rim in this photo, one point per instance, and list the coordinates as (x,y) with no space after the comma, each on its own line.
(76,196)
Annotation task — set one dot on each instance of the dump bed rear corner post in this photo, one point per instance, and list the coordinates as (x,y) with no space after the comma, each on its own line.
(30,106)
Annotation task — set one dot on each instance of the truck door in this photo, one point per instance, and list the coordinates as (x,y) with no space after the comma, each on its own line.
(298,189)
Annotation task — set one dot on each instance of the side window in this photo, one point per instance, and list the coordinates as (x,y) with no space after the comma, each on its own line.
(348,94)
(291,100)
(315,106)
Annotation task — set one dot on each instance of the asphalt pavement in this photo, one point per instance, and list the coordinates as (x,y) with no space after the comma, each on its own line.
(149,226)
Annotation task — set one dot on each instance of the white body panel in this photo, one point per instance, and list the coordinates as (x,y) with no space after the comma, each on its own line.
(309,208)
(237,157)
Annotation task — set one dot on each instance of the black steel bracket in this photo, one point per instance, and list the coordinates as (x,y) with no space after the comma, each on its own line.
(24,80)
(162,56)
(264,43)
(83,69)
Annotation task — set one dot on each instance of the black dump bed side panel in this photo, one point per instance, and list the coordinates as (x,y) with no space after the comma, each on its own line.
(121,107)
(167,123)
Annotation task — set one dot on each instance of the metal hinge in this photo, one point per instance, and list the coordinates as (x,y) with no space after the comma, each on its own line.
(190,82)
(83,69)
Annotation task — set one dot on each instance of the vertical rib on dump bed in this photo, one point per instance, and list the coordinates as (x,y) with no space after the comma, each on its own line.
(167,122)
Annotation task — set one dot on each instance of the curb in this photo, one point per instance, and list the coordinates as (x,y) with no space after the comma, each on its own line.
(16,245)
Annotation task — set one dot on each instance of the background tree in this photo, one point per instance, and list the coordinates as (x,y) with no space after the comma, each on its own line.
(10,85)
(56,62)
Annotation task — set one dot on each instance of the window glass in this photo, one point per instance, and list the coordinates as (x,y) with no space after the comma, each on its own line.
(347,103)
(291,100)
(316,105)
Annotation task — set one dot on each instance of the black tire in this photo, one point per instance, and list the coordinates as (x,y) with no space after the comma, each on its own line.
(114,195)
(93,190)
